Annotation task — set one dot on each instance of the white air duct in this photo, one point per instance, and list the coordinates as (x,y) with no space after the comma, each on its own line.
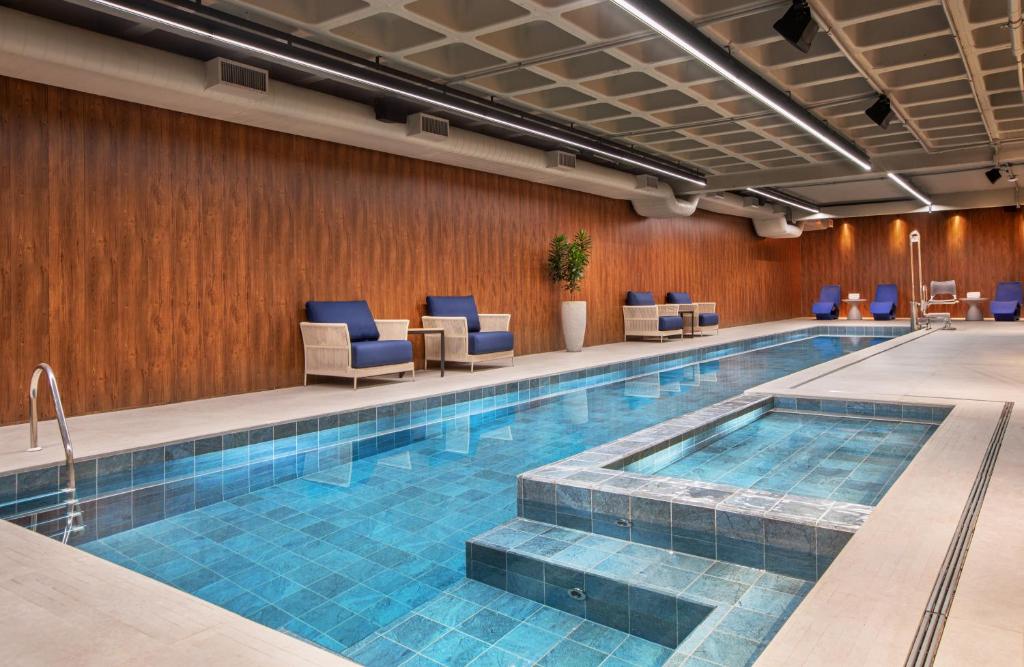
(53,53)
(777,227)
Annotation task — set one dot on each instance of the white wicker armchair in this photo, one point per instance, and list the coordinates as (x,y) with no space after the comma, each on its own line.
(456,338)
(328,350)
(643,321)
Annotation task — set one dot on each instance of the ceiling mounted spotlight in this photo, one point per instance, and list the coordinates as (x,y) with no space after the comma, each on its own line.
(993,175)
(797,25)
(881,112)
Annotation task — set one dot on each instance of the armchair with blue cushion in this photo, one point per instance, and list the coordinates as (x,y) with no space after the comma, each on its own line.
(341,339)
(706,319)
(469,337)
(646,319)
(884,305)
(1006,304)
(827,305)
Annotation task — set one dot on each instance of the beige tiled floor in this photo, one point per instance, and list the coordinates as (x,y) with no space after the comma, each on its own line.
(866,609)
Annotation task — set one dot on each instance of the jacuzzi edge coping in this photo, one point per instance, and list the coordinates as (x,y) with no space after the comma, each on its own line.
(561,493)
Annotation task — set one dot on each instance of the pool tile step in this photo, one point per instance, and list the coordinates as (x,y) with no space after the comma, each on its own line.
(662,596)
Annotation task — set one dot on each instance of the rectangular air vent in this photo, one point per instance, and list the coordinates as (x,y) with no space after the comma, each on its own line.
(426,127)
(227,75)
(559,160)
(646,182)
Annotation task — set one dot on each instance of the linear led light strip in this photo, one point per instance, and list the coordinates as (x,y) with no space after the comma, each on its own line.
(909,188)
(718,67)
(782,200)
(252,48)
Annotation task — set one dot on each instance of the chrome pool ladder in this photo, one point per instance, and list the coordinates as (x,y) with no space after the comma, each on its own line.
(66,497)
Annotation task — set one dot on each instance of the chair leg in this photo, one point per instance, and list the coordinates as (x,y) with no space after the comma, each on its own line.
(471,367)
(305,379)
(355,383)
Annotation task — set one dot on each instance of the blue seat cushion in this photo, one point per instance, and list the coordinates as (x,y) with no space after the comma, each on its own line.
(455,306)
(825,310)
(485,342)
(639,299)
(678,297)
(1005,310)
(670,322)
(356,314)
(707,319)
(371,353)
(882,310)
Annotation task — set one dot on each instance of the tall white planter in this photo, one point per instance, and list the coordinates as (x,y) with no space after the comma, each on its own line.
(574,324)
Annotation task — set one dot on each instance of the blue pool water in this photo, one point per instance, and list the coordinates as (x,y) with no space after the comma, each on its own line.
(844,459)
(367,558)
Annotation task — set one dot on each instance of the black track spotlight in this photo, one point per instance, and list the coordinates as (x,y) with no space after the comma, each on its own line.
(881,112)
(798,26)
(993,175)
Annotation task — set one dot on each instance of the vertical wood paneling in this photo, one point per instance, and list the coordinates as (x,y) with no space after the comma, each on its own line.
(153,256)
(978,248)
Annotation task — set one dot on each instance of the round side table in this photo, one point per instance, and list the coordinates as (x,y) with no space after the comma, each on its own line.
(854,312)
(974,309)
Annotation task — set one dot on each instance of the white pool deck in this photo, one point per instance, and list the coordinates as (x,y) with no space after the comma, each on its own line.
(59,603)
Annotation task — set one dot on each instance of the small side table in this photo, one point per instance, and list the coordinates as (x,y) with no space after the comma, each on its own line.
(426,331)
(974,309)
(854,312)
(693,320)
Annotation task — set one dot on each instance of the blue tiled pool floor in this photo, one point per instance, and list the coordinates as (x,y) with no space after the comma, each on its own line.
(845,459)
(340,555)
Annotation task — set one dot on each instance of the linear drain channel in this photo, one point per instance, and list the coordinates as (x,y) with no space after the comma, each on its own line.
(929,631)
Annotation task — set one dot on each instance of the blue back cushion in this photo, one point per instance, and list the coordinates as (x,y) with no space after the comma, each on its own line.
(830,294)
(887,292)
(639,299)
(356,314)
(455,306)
(1010,291)
(678,297)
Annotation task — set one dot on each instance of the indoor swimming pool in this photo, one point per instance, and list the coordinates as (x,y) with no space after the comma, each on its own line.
(366,556)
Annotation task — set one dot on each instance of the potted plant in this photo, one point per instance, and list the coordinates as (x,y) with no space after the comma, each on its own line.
(567,260)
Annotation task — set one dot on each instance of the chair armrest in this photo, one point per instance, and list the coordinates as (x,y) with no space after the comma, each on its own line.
(640,312)
(668,309)
(393,329)
(706,306)
(495,321)
(320,334)
(455,327)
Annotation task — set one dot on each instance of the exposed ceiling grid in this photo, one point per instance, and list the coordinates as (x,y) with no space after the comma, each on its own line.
(589,63)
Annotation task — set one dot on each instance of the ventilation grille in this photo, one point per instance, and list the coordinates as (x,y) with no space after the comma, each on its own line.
(560,160)
(646,182)
(228,75)
(427,127)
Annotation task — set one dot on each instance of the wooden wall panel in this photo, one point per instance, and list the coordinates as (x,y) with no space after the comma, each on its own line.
(152,256)
(978,248)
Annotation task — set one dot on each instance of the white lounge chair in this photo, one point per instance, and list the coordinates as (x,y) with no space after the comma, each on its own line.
(341,339)
(643,318)
(469,337)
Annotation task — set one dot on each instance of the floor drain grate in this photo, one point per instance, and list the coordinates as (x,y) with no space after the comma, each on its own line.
(929,631)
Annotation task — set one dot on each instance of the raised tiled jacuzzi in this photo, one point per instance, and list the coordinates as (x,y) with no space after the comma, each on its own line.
(349,530)
(845,458)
